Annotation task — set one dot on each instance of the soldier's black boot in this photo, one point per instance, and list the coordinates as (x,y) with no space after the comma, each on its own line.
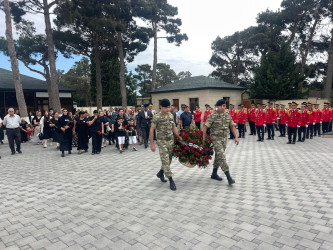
(172,184)
(230,180)
(215,176)
(160,175)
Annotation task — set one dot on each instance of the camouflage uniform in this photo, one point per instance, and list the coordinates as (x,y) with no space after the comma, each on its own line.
(219,125)
(164,124)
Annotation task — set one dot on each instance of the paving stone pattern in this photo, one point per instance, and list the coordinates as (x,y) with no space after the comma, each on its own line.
(282,199)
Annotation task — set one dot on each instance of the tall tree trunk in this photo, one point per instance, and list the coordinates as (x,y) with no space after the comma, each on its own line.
(329,76)
(49,85)
(122,71)
(99,92)
(153,83)
(54,95)
(306,47)
(14,63)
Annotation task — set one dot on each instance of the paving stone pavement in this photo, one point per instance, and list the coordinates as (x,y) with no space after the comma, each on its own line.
(282,199)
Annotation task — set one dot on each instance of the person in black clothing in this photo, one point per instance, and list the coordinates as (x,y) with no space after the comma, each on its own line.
(121,133)
(47,133)
(24,131)
(107,129)
(96,131)
(82,130)
(144,121)
(55,129)
(66,126)
(186,118)
(120,115)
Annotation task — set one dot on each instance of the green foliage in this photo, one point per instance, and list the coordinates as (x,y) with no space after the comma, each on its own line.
(165,75)
(278,76)
(111,84)
(143,78)
(78,78)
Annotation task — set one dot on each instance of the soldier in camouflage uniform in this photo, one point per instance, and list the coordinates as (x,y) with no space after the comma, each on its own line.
(219,122)
(164,123)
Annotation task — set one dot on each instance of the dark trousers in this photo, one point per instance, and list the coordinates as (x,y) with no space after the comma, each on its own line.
(282,128)
(330,126)
(241,130)
(292,131)
(82,143)
(325,127)
(260,131)
(252,128)
(14,134)
(317,129)
(145,135)
(96,142)
(301,133)
(270,130)
(309,131)
(198,124)
(231,134)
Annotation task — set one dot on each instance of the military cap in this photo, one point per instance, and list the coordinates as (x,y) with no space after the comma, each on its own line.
(206,105)
(145,105)
(165,103)
(220,102)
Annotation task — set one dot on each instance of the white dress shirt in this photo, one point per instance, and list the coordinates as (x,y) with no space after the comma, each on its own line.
(12,121)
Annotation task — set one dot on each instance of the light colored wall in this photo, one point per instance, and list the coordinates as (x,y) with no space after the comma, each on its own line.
(208,96)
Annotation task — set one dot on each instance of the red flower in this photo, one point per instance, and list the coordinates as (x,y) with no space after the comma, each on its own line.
(207,161)
(210,141)
(191,129)
(77,138)
(208,137)
(201,151)
(197,131)
(184,129)
(191,162)
(200,164)
(182,145)
(99,132)
(187,140)
(201,132)
(187,135)
(192,151)
(210,157)
(199,136)
(186,148)
(176,136)
(174,150)
(184,158)
(192,158)
(184,151)
(192,147)
(197,154)
(178,148)
(193,135)
(198,160)
(199,142)
(198,149)
(177,155)
(181,133)
(193,141)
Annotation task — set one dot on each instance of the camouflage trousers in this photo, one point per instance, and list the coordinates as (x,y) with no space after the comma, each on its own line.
(220,145)
(165,148)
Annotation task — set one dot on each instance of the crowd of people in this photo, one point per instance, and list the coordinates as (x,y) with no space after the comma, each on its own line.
(125,128)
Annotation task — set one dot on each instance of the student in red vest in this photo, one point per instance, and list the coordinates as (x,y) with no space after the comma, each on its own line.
(293,123)
(261,118)
(317,119)
(303,123)
(271,116)
(277,111)
(311,123)
(234,116)
(242,116)
(252,119)
(282,119)
(326,117)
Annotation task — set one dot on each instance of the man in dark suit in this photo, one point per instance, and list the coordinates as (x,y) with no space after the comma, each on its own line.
(144,120)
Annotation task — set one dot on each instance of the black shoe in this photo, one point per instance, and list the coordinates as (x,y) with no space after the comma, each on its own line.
(269,138)
(230,180)
(13,152)
(259,140)
(172,184)
(294,142)
(299,141)
(289,142)
(311,137)
(303,140)
(1,142)
(19,151)
(215,175)
(280,136)
(98,153)
(63,154)
(160,175)
(273,138)
(250,134)
(92,153)
(69,152)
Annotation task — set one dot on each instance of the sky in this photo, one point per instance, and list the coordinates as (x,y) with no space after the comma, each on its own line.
(203,21)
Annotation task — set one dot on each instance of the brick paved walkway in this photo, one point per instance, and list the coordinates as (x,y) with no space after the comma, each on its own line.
(282,199)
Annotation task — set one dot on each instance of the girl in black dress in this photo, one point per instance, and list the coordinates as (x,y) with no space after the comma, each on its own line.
(47,133)
(37,127)
(66,126)
(82,129)
(24,131)
(55,128)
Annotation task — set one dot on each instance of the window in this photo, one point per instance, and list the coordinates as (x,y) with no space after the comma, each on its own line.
(227,101)
(175,102)
(193,102)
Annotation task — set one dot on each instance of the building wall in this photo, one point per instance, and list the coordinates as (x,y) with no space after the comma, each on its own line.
(209,96)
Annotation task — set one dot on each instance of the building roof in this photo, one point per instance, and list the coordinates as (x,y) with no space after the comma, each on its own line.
(196,83)
(28,83)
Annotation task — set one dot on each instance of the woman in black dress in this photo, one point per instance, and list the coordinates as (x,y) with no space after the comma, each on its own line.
(66,126)
(82,129)
(47,133)
(24,131)
(55,128)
